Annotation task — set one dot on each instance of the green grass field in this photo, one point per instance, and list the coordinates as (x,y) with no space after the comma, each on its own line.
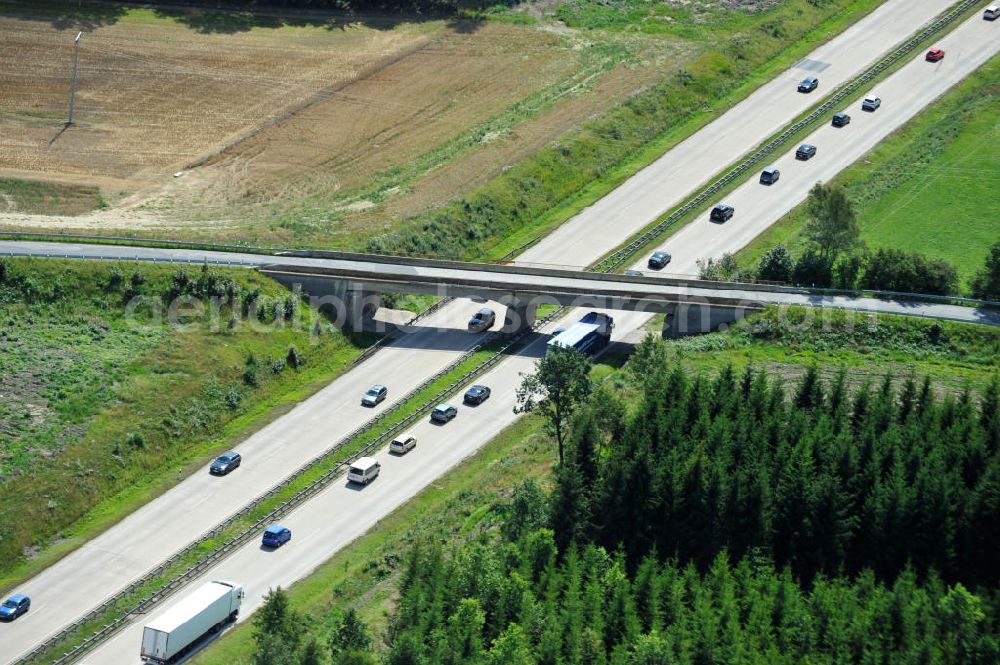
(467,501)
(101,410)
(48,198)
(929,187)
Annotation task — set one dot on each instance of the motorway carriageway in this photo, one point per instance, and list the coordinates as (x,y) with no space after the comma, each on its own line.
(78,582)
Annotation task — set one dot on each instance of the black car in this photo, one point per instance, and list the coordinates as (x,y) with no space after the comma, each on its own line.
(225,463)
(722,213)
(658,260)
(808,84)
(769,176)
(476,395)
(805,151)
(841,119)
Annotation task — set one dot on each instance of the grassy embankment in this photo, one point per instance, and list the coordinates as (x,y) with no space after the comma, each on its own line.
(365,575)
(48,198)
(101,411)
(737,51)
(927,187)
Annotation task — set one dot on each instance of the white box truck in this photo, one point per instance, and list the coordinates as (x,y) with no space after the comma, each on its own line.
(210,607)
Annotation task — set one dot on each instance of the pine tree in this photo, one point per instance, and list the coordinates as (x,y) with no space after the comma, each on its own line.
(275,619)
(350,635)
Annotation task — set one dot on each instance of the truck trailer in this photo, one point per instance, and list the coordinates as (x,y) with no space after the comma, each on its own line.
(589,335)
(170,635)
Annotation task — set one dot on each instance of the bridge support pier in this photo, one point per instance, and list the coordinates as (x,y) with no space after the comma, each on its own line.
(355,308)
(684,319)
(520,316)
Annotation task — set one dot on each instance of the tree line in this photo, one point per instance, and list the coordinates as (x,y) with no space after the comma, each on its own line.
(822,480)
(523,603)
(835,256)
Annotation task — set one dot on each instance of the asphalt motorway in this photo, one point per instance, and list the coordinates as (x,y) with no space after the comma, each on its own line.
(904,94)
(121,554)
(692,163)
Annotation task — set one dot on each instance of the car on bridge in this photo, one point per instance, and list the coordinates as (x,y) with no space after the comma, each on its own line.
(808,84)
(476,395)
(722,213)
(14,607)
(840,119)
(443,413)
(658,260)
(871,102)
(375,394)
(276,536)
(934,55)
(225,463)
(805,152)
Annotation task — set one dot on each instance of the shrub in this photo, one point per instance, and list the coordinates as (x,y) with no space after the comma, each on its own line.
(776,265)
(813,269)
(250,372)
(896,270)
(233,398)
(294,359)
(136,280)
(3,270)
(181,283)
(115,279)
(848,269)
(985,285)
(723,269)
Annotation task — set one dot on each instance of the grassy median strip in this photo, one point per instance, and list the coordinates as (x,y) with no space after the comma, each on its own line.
(302,487)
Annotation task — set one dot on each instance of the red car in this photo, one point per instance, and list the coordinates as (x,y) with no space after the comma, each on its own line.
(935,54)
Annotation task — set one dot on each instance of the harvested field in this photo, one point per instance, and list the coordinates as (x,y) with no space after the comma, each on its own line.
(153,95)
(303,131)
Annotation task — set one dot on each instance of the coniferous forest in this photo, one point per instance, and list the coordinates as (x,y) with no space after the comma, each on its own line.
(734,519)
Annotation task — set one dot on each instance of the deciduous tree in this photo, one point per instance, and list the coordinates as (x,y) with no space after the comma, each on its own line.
(560,383)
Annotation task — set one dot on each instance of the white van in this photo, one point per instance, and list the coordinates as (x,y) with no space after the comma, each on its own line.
(991,13)
(403,444)
(363,470)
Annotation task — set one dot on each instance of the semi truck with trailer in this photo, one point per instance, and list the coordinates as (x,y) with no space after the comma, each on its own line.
(208,608)
(588,335)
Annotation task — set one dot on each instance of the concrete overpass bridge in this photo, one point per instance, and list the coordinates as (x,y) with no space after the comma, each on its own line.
(352,283)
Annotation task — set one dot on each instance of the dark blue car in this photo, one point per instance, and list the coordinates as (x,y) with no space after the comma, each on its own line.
(276,536)
(14,607)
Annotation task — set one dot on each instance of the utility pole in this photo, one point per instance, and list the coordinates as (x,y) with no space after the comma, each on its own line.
(72,90)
